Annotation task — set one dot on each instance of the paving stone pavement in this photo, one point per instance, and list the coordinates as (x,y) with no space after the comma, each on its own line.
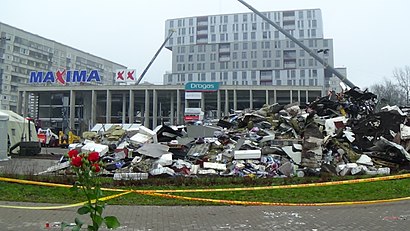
(386,216)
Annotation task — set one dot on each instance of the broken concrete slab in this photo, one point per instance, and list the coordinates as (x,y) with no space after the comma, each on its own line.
(153,150)
(295,156)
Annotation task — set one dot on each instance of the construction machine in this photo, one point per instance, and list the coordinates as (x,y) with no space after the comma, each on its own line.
(66,139)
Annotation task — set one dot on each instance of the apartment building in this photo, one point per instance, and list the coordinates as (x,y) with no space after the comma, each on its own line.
(22,53)
(243,49)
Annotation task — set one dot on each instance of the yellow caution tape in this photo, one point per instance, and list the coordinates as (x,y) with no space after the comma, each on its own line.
(255,203)
(354,181)
(63,206)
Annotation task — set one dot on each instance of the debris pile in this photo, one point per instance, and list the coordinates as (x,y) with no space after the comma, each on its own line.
(339,134)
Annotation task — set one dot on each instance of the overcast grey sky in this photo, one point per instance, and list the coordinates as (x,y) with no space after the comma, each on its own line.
(370,37)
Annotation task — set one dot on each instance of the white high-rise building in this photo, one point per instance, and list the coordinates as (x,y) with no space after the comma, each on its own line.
(243,49)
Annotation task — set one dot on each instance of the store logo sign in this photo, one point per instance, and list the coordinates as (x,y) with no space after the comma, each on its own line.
(63,77)
(202,86)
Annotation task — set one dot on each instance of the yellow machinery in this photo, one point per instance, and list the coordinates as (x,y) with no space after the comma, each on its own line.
(65,140)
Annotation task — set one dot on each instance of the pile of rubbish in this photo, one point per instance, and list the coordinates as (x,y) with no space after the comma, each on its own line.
(340,134)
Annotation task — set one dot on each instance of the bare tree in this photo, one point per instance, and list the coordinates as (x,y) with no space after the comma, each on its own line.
(389,93)
(402,75)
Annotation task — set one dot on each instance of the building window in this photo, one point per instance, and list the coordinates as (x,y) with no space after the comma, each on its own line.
(244,75)
(203,77)
(213,76)
(234,75)
(234,55)
(276,34)
(277,63)
(314,73)
(300,14)
(253,74)
(244,56)
(313,32)
(254,64)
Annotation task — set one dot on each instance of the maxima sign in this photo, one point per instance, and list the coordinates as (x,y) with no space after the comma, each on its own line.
(202,86)
(63,77)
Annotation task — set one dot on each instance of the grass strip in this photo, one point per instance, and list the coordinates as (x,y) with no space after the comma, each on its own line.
(336,193)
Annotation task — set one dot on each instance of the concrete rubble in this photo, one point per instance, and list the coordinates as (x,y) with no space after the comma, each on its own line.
(339,134)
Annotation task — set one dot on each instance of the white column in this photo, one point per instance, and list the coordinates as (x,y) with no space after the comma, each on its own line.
(72,109)
(131,108)
(108,112)
(235,99)
(172,109)
(154,109)
(299,96)
(267,97)
(124,107)
(93,108)
(178,107)
(250,99)
(203,102)
(307,96)
(291,96)
(146,113)
(275,100)
(218,100)
(226,103)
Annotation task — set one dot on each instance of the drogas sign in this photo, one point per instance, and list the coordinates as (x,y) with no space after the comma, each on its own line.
(202,86)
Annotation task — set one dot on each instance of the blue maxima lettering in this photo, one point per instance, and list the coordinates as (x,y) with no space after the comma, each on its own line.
(71,76)
(36,77)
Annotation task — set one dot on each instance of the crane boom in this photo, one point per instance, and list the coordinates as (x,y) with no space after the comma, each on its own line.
(155,56)
(300,44)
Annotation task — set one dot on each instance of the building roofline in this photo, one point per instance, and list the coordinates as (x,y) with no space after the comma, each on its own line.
(211,15)
(1,23)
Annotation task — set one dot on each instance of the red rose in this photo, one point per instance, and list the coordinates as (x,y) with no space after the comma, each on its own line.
(77,161)
(96,167)
(72,153)
(93,156)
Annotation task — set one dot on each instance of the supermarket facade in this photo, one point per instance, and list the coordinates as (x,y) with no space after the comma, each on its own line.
(81,106)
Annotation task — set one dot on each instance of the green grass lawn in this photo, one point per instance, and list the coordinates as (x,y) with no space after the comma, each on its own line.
(335,193)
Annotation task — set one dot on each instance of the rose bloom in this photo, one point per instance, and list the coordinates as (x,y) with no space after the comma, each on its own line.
(72,153)
(77,161)
(96,167)
(93,156)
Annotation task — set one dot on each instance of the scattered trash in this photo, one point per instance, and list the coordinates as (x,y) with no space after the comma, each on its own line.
(339,134)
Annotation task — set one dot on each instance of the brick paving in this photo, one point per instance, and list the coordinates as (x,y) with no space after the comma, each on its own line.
(386,216)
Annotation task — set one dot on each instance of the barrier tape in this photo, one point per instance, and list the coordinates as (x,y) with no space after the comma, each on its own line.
(321,184)
(255,203)
(233,202)
(63,206)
